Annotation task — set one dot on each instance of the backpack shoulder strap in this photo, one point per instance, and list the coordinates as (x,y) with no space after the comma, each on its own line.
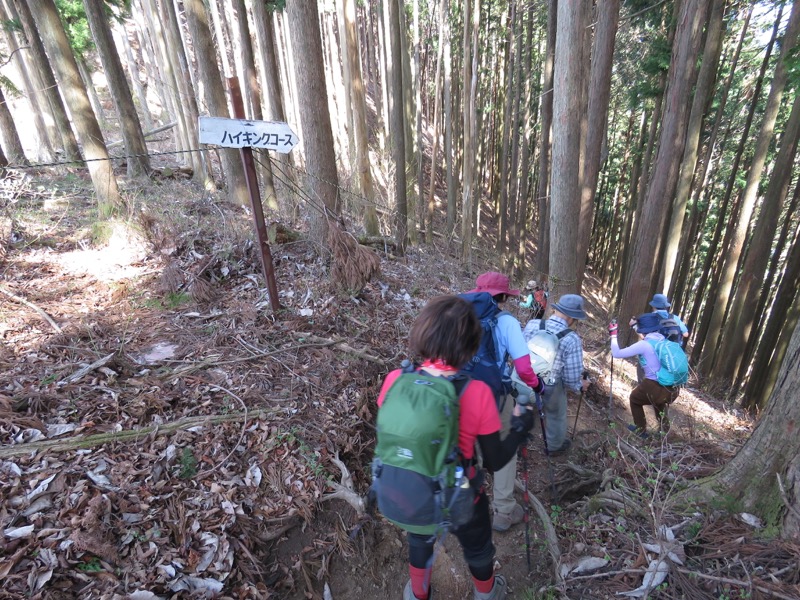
(460,381)
(564,333)
(541,325)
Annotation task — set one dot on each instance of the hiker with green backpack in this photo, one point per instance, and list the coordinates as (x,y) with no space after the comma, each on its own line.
(426,478)
(665,369)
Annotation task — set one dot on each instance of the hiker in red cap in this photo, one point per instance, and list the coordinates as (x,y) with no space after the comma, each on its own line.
(502,338)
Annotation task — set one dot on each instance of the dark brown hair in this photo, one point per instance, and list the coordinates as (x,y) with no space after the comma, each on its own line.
(447,329)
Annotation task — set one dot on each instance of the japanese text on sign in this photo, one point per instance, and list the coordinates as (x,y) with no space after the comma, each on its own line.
(239,133)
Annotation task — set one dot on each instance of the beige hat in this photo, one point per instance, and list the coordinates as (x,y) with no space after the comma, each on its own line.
(531,284)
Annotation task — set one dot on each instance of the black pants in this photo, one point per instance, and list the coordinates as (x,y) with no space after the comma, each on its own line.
(475,538)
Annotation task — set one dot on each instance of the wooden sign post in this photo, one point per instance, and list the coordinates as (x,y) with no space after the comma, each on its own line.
(246,135)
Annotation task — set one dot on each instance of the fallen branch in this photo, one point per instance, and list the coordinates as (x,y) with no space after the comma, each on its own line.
(130,435)
(745,584)
(32,306)
(342,344)
(80,373)
(146,134)
(549,534)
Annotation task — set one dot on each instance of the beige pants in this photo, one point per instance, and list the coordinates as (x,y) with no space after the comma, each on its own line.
(503,501)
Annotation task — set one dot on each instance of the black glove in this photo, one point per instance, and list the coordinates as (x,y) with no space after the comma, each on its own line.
(539,389)
(523,423)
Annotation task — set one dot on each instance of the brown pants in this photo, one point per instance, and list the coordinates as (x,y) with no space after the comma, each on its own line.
(650,392)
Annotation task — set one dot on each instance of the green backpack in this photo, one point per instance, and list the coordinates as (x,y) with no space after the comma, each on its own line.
(414,469)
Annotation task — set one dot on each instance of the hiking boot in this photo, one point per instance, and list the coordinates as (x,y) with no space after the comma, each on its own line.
(504,521)
(563,449)
(499,590)
(408,594)
(642,434)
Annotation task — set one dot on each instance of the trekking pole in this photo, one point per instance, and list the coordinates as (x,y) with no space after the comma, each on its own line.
(585,375)
(611,385)
(610,392)
(523,453)
(540,407)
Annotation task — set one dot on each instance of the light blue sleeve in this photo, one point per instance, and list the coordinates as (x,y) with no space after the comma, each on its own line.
(510,337)
(681,324)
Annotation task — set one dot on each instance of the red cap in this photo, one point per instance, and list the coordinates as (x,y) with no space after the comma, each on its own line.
(495,283)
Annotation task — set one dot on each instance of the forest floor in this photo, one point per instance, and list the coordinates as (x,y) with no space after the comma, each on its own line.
(168,435)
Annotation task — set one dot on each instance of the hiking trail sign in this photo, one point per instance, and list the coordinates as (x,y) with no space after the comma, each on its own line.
(239,133)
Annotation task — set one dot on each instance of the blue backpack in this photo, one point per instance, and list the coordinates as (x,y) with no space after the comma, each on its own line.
(483,365)
(674,364)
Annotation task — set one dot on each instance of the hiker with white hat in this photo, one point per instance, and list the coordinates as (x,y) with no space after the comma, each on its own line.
(536,300)
(567,371)
(661,304)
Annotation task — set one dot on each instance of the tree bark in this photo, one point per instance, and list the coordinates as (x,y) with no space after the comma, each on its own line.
(749,196)
(323,180)
(197,18)
(709,277)
(123,44)
(12,145)
(599,94)
(542,198)
(47,83)
(470,82)
(436,119)
(397,129)
(44,132)
(565,188)
(665,171)
(63,61)
(176,46)
(359,109)
(138,162)
(770,456)
(703,95)
(738,325)
(452,201)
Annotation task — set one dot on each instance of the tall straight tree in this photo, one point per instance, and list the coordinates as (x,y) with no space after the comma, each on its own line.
(12,145)
(397,128)
(565,186)
(744,306)
(45,130)
(135,147)
(447,92)
(661,191)
(542,186)
(703,95)
(206,58)
(323,180)
(599,94)
(359,99)
(772,348)
(719,306)
(189,111)
(472,11)
(56,44)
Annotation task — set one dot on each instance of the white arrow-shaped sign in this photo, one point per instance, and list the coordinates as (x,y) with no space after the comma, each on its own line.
(239,133)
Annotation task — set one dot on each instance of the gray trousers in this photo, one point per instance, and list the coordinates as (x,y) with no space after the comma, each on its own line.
(554,402)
